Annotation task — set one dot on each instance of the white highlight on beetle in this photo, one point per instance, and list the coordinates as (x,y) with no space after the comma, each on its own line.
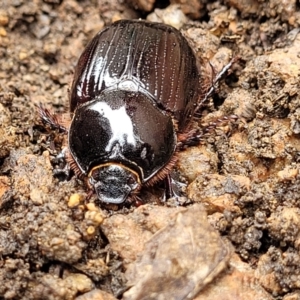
(120,123)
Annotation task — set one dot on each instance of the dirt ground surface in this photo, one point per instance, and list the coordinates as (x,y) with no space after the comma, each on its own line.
(238,236)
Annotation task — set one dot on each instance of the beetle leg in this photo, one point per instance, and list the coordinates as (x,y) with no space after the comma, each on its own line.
(62,169)
(90,193)
(173,188)
(174,193)
(169,191)
(215,81)
(72,163)
(136,201)
(50,119)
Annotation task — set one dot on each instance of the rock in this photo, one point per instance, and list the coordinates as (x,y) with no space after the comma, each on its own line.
(35,176)
(195,161)
(217,192)
(292,296)
(238,282)
(145,5)
(128,234)
(284,226)
(53,287)
(179,260)
(79,281)
(96,295)
(4,187)
(266,273)
(4,19)
(287,174)
(94,268)
(193,8)
(172,15)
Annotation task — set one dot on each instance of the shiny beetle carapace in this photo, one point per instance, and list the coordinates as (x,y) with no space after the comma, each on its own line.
(135,90)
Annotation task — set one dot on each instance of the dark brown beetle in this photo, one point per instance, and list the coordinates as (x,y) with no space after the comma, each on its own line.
(135,90)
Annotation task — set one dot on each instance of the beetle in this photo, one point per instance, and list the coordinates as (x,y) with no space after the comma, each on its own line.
(136,88)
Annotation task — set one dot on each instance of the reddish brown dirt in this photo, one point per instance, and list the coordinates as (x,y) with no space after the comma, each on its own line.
(56,245)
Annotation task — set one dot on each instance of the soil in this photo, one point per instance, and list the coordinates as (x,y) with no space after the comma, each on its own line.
(237,233)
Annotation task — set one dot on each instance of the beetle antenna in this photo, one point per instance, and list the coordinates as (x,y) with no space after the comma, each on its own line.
(50,119)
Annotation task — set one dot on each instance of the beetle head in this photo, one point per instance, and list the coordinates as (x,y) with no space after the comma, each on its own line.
(113,183)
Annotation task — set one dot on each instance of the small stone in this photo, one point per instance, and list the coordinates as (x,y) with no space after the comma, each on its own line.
(96,269)
(144,5)
(3,32)
(42,27)
(23,55)
(44,68)
(50,49)
(96,295)
(4,185)
(92,207)
(36,196)
(74,200)
(3,18)
(172,15)
(292,296)
(287,174)
(265,271)
(284,224)
(93,24)
(98,218)
(56,241)
(80,281)
(95,217)
(90,230)
(193,8)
